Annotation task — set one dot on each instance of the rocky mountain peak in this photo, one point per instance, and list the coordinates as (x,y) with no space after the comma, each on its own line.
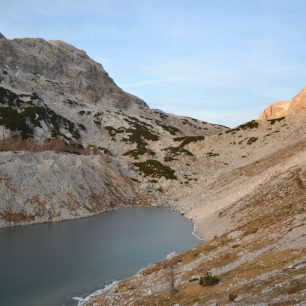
(2,36)
(69,48)
(275,110)
(55,67)
(298,103)
(284,108)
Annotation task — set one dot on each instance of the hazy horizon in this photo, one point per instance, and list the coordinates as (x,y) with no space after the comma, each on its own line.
(218,61)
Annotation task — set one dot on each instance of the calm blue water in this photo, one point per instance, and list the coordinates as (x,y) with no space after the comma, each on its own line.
(48,264)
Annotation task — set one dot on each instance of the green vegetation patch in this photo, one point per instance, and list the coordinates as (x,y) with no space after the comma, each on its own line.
(169,128)
(139,132)
(188,139)
(23,117)
(212,154)
(208,280)
(97,122)
(9,98)
(70,102)
(25,122)
(154,168)
(113,131)
(249,125)
(185,121)
(98,114)
(139,151)
(82,126)
(175,151)
(273,121)
(251,140)
(163,116)
(84,112)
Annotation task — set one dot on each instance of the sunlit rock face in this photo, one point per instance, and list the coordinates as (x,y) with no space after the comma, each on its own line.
(275,110)
(283,108)
(298,103)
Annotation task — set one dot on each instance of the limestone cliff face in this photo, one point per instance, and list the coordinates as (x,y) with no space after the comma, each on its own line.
(275,110)
(40,66)
(47,186)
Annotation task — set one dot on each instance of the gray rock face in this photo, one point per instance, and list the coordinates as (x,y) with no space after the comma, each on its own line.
(63,65)
(52,187)
(275,110)
(29,117)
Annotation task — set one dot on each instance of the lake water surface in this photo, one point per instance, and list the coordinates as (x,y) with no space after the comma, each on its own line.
(49,264)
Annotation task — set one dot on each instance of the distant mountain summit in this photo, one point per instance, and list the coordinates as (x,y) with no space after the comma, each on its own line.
(275,110)
(298,103)
(284,108)
(57,67)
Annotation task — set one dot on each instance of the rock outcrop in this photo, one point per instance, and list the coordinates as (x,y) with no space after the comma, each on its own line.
(275,110)
(298,103)
(41,66)
(283,108)
(53,187)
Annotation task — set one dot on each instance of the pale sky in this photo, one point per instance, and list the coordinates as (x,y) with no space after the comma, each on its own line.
(220,61)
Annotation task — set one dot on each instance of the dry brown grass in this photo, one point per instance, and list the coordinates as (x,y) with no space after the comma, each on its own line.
(9,216)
